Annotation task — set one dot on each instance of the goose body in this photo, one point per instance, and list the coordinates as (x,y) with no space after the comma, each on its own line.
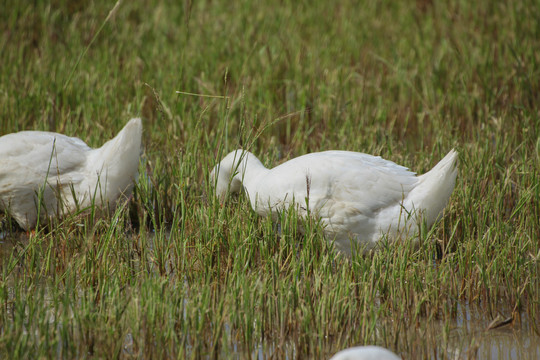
(359,198)
(365,353)
(64,174)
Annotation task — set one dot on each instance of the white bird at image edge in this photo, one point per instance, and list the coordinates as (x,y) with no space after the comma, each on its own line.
(60,174)
(365,353)
(359,198)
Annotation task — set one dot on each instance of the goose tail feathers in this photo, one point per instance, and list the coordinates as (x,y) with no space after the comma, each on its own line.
(435,187)
(117,161)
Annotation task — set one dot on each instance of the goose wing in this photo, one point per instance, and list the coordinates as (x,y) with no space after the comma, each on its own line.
(345,189)
(27,158)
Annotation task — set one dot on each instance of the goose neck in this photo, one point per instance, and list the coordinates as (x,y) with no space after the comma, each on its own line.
(250,167)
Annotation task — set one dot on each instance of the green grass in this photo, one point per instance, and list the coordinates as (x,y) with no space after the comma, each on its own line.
(174,274)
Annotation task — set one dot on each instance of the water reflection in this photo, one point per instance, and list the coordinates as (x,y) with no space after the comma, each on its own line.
(471,337)
(466,337)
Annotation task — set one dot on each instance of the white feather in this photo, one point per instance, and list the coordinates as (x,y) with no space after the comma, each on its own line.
(365,353)
(64,168)
(358,197)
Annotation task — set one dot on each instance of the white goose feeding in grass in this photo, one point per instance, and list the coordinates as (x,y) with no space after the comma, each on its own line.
(58,174)
(359,198)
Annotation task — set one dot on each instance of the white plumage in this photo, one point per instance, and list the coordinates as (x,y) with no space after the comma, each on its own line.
(64,172)
(365,353)
(359,198)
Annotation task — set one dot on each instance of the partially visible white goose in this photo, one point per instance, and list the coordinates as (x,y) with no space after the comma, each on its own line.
(66,173)
(365,353)
(358,197)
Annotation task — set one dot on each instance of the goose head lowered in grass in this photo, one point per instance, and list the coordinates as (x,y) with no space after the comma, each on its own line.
(59,174)
(359,198)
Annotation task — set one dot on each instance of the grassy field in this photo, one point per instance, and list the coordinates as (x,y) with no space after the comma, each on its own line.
(172,274)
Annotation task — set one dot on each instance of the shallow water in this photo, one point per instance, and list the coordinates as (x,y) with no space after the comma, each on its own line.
(467,338)
(472,336)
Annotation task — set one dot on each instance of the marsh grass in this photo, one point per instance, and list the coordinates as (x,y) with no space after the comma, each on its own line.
(174,274)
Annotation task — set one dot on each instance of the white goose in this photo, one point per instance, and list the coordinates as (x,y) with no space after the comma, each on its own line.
(365,353)
(359,198)
(64,172)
